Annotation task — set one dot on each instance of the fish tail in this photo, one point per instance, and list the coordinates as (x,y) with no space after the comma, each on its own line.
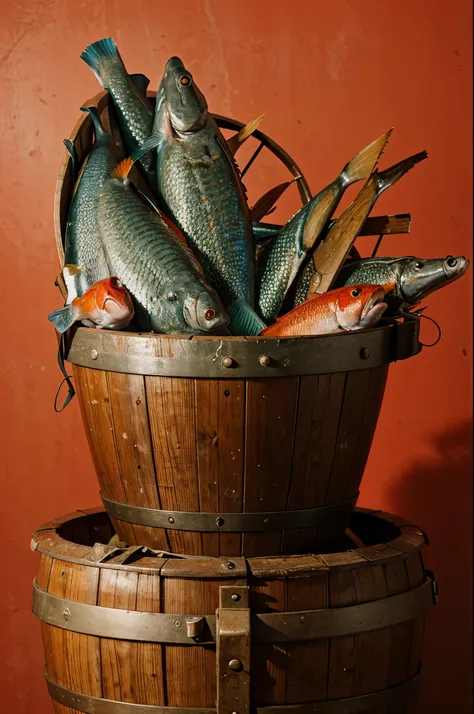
(99,55)
(63,318)
(244,320)
(363,163)
(153,141)
(387,178)
(96,120)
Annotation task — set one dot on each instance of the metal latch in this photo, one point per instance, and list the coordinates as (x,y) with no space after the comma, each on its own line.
(233,650)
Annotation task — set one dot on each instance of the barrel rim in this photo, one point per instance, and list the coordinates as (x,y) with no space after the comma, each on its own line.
(211,357)
(48,541)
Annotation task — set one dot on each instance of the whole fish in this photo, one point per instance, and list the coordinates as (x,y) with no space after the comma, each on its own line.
(201,189)
(128,92)
(170,292)
(104,305)
(413,278)
(298,236)
(344,309)
(322,268)
(83,244)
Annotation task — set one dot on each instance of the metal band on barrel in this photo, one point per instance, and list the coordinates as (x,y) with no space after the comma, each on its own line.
(242,359)
(229,522)
(266,627)
(376,701)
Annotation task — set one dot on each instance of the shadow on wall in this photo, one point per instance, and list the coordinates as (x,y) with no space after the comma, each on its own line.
(438,496)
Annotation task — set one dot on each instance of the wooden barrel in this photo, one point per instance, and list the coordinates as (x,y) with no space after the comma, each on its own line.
(130,631)
(235,446)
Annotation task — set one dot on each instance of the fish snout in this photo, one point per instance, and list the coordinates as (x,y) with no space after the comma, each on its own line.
(454,267)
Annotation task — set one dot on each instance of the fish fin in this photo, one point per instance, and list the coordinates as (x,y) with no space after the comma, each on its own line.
(266,202)
(122,169)
(63,318)
(363,163)
(101,51)
(71,150)
(389,176)
(96,120)
(236,141)
(244,320)
(153,141)
(263,231)
(141,82)
(388,287)
(70,273)
(318,216)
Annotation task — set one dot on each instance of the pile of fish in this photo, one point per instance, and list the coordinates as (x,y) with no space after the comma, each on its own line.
(165,241)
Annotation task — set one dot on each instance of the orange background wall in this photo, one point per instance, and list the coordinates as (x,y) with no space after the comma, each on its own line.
(330,77)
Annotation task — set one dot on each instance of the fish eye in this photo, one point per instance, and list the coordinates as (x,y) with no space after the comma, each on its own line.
(115,282)
(210,314)
(356,292)
(451,261)
(185,80)
(172,297)
(418,265)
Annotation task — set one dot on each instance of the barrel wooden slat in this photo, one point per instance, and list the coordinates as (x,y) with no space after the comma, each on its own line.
(92,386)
(269,437)
(342,650)
(415,577)
(149,677)
(172,411)
(373,648)
(220,414)
(129,408)
(307,660)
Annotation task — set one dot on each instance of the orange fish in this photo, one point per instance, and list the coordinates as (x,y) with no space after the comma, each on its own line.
(345,309)
(106,304)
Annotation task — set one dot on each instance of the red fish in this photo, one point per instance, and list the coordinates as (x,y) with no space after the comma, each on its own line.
(344,309)
(106,304)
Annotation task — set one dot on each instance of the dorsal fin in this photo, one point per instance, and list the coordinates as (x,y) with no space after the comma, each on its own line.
(236,141)
(141,82)
(122,169)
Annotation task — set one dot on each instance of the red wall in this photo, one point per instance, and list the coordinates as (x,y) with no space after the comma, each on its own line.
(330,76)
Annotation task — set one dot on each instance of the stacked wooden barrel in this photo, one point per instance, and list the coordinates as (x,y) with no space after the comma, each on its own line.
(222,574)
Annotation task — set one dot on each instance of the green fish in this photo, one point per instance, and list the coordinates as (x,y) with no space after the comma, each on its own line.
(412,278)
(299,235)
(128,92)
(83,244)
(200,187)
(154,263)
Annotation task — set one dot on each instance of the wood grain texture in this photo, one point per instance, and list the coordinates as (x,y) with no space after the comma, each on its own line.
(172,412)
(271,407)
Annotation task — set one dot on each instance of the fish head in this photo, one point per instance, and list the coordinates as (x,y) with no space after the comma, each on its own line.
(205,312)
(186,105)
(420,277)
(358,307)
(115,300)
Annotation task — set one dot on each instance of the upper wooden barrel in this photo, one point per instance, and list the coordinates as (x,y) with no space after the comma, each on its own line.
(231,446)
(129,630)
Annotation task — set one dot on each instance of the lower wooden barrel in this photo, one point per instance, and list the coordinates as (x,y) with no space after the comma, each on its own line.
(130,631)
(235,447)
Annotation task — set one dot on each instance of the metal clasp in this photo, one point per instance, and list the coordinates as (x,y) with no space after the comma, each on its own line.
(233,650)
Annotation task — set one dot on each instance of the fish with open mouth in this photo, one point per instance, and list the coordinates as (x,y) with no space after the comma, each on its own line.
(170,292)
(341,310)
(106,304)
(413,278)
(200,187)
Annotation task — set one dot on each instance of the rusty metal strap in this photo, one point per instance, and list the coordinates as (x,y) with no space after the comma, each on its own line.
(266,627)
(400,694)
(230,522)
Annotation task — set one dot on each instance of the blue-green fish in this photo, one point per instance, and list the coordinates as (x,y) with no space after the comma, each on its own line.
(200,187)
(170,292)
(83,244)
(128,92)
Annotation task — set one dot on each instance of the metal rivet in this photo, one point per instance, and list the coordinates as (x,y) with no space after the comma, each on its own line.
(220,521)
(365,353)
(266,521)
(227,362)
(264,360)
(235,712)
(235,597)
(66,614)
(302,619)
(235,665)
(230,565)
(171,519)
(94,354)
(177,623)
